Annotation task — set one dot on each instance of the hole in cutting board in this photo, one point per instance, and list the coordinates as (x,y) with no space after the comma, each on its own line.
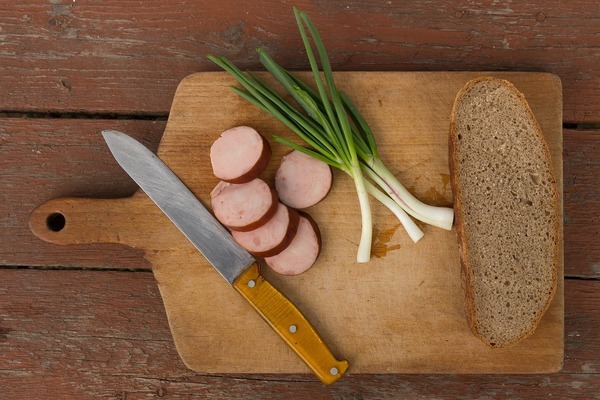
(56,222)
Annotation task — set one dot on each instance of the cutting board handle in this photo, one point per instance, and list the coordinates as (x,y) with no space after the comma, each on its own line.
(72,220)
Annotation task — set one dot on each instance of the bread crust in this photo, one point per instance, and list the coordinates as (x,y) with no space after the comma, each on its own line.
(466,267)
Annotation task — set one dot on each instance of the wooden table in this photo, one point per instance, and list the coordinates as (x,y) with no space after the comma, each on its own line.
(88,322)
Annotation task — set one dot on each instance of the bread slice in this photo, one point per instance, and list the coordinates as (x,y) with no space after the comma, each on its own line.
(506,205)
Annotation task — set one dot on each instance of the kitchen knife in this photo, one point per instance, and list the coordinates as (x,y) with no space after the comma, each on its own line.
(234,263)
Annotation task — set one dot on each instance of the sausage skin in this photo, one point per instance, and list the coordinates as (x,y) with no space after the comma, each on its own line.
(239,155)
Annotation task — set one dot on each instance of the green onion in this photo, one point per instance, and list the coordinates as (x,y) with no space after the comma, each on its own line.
(337,134)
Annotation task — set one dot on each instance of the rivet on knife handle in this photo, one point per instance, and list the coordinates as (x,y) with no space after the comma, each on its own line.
(283,316)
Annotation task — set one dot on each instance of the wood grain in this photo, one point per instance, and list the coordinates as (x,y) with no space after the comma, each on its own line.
(425,276)
(117,57)
(95,334)
(582,192)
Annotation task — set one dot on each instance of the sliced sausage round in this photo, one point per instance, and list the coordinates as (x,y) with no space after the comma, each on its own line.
(302,252)
(239,155)
(272,237)
(302,181)
(244,206)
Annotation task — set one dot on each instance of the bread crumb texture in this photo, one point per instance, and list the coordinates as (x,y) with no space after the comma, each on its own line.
(508,206)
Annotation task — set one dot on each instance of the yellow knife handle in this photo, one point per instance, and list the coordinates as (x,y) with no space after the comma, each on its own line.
(285,318)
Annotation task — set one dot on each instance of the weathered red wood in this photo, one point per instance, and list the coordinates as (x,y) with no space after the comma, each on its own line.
(581,180)
(104,334)
(116,57)
(42,159)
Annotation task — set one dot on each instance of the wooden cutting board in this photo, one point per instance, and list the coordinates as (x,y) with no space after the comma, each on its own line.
(400,313)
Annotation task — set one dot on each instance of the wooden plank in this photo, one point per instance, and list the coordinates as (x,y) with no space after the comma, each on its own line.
(96,334)
(425,276)
(582,202)
(112,57)
(42,159)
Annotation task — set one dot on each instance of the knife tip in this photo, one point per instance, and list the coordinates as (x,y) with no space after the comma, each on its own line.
(110,135)
(109,132)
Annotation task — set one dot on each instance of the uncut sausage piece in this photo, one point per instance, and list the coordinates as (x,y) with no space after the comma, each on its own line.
(239,155)
(302,252)
(302,181)
(272,237)
(244,206)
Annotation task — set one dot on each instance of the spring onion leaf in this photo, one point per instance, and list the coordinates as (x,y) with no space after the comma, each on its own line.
(331,124)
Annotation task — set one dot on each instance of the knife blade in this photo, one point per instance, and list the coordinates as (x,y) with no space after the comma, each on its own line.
(216,244)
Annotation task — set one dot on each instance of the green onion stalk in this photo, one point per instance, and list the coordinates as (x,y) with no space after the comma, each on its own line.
(336,134)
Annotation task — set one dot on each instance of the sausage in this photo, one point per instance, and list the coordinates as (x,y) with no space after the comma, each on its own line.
(239,155)
(302,252)
(302,181)
(272,237)
(245,206)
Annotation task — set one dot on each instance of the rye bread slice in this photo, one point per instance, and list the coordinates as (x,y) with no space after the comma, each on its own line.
(506,205)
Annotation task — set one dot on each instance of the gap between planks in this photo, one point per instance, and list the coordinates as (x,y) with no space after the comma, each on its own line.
(164,117)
